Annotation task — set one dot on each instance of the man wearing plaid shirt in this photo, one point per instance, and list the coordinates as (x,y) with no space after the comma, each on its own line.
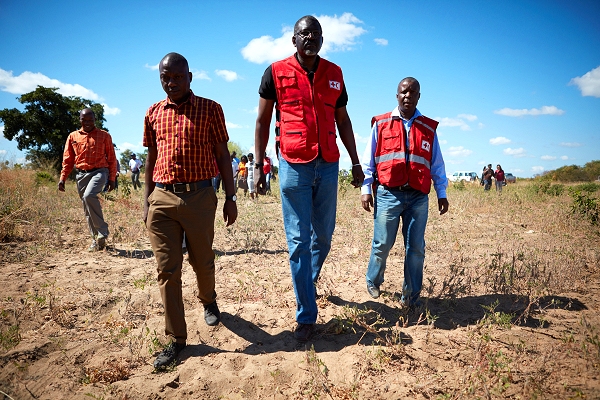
(91,151)
(184,134)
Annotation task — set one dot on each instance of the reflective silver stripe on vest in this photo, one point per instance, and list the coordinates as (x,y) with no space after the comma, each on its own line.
(425,125)
(419,160)
(381,121)
(389,157)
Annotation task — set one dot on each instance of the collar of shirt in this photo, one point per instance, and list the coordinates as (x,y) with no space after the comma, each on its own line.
(171,103)
(81,131)
(407,123)
(314,67)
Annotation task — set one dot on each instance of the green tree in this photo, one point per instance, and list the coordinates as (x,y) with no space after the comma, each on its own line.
(233,146)
(42,129)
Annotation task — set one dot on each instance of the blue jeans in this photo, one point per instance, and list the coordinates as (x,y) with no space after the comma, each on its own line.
(308,202)
(389,207)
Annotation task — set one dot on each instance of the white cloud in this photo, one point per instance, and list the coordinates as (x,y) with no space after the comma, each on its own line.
(111,110)
(200,74)
(458,151)
(548,158)
(520,152)
(229,76)
(538,169)
(381,42)
(136,148)
(459,121)
(339,34)
(468,117)
(442,141)
(231,125)
(564,157)
(588,84)
(545,110)
(570,144)
(3,152)
(499,140)
(152,67)
(29,81)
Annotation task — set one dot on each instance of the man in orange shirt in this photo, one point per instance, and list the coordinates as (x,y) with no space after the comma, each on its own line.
(184,134)
(91,151)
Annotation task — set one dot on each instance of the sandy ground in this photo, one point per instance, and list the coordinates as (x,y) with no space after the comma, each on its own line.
(92,323)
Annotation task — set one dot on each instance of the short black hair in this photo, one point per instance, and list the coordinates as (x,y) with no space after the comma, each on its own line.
(307,18)
(176,58)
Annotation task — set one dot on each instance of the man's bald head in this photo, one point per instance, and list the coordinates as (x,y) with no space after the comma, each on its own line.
(174,59)
(87,119)
(175,77)
(409,80)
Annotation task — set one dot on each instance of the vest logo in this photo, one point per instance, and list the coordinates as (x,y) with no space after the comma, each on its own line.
(335,85)
(425,145)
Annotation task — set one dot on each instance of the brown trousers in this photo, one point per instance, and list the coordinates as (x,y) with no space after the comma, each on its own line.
(169,216)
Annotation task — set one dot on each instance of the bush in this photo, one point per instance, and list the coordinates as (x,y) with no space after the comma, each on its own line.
(586,206)
(44,178)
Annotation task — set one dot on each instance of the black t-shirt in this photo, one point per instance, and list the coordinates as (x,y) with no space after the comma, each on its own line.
(267,88)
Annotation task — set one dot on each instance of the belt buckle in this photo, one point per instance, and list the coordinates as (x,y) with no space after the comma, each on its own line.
(186,187)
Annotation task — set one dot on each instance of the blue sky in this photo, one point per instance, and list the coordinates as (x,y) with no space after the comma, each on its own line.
(511,82)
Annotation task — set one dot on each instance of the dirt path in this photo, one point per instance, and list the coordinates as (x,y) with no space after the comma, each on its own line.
(90,325)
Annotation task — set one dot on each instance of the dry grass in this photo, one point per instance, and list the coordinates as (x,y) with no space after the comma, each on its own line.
(511,309)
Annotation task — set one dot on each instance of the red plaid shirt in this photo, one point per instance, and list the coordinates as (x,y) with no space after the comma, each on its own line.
(89,150)
(185,138)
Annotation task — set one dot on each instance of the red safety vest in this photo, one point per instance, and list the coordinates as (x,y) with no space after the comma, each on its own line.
(307,112)
(393,167)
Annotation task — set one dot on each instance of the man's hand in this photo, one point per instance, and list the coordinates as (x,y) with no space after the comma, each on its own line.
(443,205)
(111,185)
(61,186)
(367,200)
(358,176)
(229,212)
(261,182)
(146,208)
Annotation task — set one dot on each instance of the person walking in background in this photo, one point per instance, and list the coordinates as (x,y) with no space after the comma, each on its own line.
(310,96)
(135,165)
(235,170)
(90,150)
(184,134)
(402,157)
(243,175)
(267,172)
(250,171)
(488,174)
(499,175)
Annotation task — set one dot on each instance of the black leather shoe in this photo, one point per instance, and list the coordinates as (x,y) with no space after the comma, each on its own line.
(303,332)
(373,291)
(212,315)
(168,355)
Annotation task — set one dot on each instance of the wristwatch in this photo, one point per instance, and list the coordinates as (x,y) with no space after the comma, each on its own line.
(233,197)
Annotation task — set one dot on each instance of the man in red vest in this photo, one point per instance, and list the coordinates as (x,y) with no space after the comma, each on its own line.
(310,97)
(400,161)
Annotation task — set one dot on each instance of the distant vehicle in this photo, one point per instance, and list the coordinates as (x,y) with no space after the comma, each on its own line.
(464,176)
(510,178)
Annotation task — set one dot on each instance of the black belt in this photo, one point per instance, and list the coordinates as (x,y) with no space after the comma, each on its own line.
(185,187)
(87,171)
(404,188)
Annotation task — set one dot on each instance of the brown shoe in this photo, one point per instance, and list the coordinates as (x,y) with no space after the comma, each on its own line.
(303,332)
